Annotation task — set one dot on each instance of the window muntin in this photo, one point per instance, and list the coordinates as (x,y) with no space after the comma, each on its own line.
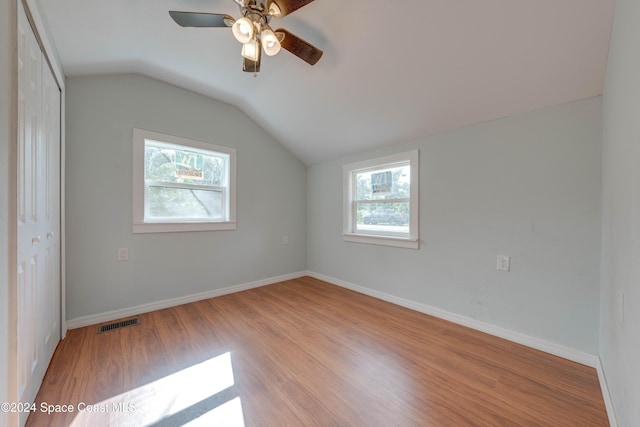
(182,185)
(381,200)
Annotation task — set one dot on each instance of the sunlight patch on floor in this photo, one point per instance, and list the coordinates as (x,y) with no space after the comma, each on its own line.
(201,394)
(228,414)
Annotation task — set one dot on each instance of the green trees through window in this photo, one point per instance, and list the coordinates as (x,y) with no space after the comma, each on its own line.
(181,184)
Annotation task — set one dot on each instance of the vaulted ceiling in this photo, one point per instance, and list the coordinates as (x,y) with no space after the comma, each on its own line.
(391,71)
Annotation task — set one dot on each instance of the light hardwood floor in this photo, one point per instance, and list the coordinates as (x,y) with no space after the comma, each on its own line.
(307,353)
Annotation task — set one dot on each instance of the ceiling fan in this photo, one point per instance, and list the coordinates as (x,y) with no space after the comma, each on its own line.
(253,30)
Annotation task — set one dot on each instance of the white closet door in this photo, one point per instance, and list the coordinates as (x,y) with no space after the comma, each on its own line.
(38,293)
(49,226)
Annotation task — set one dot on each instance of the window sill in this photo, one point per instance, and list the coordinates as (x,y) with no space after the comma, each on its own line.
(398,242)
(168,227)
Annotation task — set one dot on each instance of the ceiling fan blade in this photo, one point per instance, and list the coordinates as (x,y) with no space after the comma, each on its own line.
(300,48)
(285,7)
(197,19)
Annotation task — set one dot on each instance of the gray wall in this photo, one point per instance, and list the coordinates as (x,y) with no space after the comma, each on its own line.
(271,199)
(620,342)
(526,186)
(8,69)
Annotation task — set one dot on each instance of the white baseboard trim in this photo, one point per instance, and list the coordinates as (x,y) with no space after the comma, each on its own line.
(520,338)
(159,305)
(606,395)
(517,337)
(583,358)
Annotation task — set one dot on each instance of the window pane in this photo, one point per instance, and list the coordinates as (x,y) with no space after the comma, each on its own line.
(380,184)
(181,203)
(170,163)
(381,204)
(382,217)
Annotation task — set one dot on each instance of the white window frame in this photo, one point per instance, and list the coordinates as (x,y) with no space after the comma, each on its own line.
(350,232)
(180,225)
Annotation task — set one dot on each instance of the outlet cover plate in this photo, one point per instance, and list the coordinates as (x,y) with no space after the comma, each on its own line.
(123,254)
(504,263)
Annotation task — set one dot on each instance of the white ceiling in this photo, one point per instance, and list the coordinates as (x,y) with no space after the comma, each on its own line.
(391,71)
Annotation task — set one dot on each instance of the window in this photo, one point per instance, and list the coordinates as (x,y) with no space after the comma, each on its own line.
(181,185)
(381,201)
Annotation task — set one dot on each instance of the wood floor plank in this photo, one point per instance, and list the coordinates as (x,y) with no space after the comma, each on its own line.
(307,353)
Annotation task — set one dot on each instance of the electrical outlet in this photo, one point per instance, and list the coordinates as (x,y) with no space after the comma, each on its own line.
(123,254)
(285,241)
(504,263)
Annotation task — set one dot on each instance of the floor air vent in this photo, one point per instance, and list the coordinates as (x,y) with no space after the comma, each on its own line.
(118,325)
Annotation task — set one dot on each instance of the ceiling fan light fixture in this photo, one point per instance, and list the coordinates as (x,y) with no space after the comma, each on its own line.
(243,30)
(253,31)
(270,42)
(251,50)
(274,9)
